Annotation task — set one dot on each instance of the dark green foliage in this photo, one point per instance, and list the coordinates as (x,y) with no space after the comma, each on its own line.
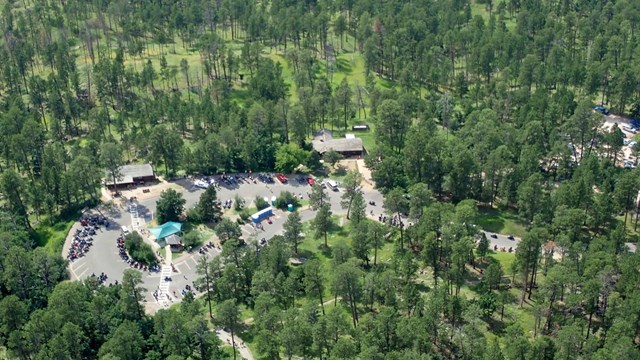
(285,198)
(138,249)
(192,239)
(476,103)
(332,157)
(170,206)
(261,203)
(208,208)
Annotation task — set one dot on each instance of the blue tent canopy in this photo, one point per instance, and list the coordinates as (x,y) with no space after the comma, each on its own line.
(166,229)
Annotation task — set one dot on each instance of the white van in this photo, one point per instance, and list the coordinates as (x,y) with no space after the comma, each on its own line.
(333,185)
(125,230)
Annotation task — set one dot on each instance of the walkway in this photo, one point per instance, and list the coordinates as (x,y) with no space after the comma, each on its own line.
(164,296)
(241,347)
(137,222)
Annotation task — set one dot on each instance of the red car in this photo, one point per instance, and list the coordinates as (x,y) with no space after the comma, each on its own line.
(311,181)
(282,178)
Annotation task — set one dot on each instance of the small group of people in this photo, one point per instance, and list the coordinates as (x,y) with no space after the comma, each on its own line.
(226,204)
(102,278)
(395,220)
(495,248)
(204,248)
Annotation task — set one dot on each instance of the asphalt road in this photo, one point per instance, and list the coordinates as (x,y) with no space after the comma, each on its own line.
(103,256)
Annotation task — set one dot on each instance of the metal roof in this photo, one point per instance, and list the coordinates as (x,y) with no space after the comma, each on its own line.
(173,240)
(340,145)
(166,229)
(129,173)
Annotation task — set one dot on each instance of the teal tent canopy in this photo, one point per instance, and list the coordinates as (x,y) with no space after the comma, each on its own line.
(166,229)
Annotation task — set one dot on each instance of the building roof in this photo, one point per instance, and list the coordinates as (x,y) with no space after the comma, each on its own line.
(631,247)
(340,145)
(166,229)
(173,240)
(323,134)
(128,174)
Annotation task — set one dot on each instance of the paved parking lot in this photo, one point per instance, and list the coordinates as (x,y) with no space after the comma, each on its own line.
(103,257)
(500,242)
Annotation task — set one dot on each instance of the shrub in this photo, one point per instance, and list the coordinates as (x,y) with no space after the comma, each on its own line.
(285,199)
(261,203)
(244,215)
(192,239)
(194,215)
(138,249)
(238,203)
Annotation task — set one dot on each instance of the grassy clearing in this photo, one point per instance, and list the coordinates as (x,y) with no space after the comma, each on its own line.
(502,222)
(504,258)
(312,248)
(52,234)
(483,11)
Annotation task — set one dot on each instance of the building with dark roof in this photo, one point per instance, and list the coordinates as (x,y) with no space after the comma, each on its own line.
(349,146)
(130,175)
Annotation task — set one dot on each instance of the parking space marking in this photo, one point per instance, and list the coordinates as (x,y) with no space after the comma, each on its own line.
(82,273)
(244,229)
(185,264)
(79,264)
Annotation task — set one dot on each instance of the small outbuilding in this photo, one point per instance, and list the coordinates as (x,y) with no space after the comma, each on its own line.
(168,234)
(131,175)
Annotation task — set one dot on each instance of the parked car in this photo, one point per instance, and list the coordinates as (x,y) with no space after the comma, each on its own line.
(630,129)
(282,178)
(510,237)
(311,181)
(601,109)
(494,236)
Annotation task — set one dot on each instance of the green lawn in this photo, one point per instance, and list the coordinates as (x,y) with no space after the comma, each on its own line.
(504,258)
(312,248)
(52,236)
(501,222)
(483,11)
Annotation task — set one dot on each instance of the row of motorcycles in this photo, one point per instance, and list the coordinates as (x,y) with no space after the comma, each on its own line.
(83,238)
(204,248)
(122,250)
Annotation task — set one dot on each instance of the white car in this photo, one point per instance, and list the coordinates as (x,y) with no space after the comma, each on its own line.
(201,184)
(632,143)
(629,129)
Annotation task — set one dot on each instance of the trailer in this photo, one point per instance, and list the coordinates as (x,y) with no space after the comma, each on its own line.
(262,215)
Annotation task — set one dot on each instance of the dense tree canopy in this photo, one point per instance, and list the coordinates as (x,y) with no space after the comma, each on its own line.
(473,104)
